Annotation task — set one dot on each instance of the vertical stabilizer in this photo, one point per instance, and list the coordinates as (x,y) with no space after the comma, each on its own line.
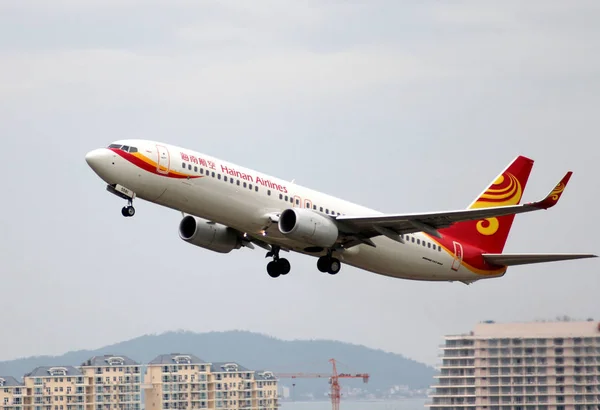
(507,188)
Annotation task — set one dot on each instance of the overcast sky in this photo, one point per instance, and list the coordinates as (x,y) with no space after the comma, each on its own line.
(399,106)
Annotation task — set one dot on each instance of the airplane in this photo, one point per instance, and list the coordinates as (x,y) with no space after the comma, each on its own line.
(226,207)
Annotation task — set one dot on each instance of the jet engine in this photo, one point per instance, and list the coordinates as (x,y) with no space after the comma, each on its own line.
(308,226)
(208,235)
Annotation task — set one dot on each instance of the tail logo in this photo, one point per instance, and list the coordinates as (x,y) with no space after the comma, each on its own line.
(506,190)
(488,226)
(555,194)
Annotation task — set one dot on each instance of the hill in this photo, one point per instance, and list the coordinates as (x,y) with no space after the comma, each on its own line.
(257,351)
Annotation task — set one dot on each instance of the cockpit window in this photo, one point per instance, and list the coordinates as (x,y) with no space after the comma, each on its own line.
(125,148)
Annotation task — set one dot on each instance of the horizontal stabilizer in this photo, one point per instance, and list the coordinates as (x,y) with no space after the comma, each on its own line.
(508,259)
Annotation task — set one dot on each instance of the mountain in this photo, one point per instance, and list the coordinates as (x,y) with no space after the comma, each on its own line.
(259,352)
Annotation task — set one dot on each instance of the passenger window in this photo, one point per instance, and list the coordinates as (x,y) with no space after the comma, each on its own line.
(321,209)
(439,248)
(315,207)
(183,165)
(286,198)
(231,180)
(428,245)
(190,167)
(213,174)
(412,239)
(202,170)
(245,185)
(256,189)
(225,178)
(280,196)
(195,168)
(269,192)
(297,202)
(291,200)
(218,176)
(238,182)
(418,241)
(250,186)
(327,211)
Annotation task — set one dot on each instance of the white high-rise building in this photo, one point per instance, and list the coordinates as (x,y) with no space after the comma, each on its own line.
(521,366)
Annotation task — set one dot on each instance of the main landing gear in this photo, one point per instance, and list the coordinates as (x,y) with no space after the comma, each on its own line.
(329,264)
(278,266)
(281,266)
(128,211)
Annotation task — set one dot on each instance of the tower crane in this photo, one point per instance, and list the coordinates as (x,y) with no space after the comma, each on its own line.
(333,381)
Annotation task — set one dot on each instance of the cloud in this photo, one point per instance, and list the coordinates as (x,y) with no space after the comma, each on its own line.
(106,75)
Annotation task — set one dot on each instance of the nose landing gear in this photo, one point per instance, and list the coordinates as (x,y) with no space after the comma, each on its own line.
(125,193)
(128,211)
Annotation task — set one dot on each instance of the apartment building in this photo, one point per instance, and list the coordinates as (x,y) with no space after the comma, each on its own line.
(176,381)
(267,396)
(184,381)
(112,382)
(11,393)
(521,366)
(54,388)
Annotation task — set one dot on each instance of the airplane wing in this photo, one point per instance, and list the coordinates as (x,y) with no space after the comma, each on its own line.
(392,226)
(507,259)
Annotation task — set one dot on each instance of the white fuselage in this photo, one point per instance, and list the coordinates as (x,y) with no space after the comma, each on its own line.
(227,193)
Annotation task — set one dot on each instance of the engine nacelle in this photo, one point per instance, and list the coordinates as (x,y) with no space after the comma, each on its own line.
(208,235)
(308,226)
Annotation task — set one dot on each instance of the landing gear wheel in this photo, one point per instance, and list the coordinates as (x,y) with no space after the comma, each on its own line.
(329,265)
(323,264)
(272,269)
(128,211)
(334,266)
(277,266)
(283,265)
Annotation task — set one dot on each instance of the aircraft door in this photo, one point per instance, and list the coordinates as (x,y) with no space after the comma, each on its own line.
(458,256)
(164,160)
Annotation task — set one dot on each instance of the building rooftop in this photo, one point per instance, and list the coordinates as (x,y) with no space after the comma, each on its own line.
(9,381)
(109,360)
(177,358)
(222,367)
(490,329)
(52,371)
(264,375)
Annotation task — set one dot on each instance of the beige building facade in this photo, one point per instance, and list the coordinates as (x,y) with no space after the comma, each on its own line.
(116,382)
(112,383)
(184,381)
(11,393)
(54,388)
(521,366)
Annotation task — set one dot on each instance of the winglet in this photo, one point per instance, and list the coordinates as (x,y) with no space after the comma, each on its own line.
(554,195)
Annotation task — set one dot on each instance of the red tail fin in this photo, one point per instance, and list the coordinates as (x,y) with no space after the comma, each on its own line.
(507,189)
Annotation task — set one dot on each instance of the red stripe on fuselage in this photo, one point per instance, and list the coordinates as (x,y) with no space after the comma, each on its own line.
(147,166)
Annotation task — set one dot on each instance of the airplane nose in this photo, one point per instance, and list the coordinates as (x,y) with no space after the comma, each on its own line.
(95,158)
